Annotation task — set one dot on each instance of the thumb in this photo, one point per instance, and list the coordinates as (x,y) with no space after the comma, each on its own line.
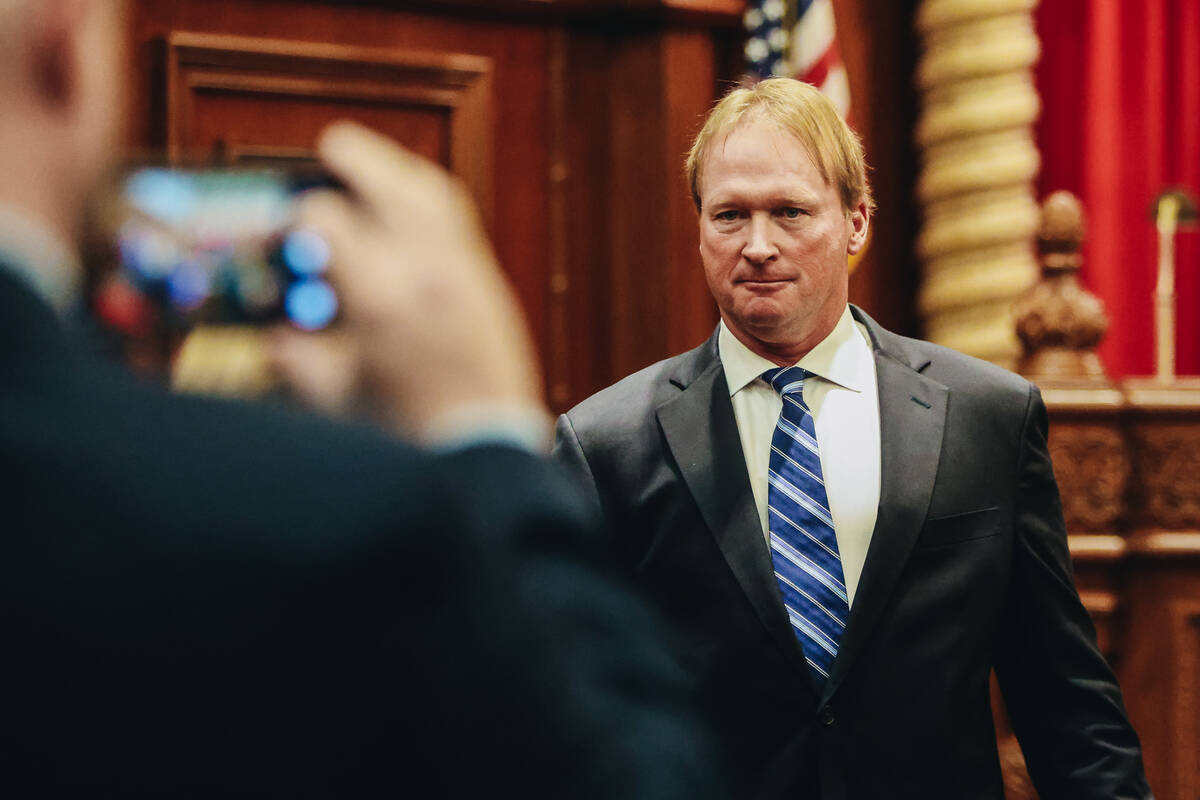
(321,370)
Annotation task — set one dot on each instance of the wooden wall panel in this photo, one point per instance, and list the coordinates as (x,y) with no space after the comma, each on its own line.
(244,123)
(515,46)
(639,291)
(569,125)
(631,98)
(1161,673)
(879,47)
(583,209)
(691,79)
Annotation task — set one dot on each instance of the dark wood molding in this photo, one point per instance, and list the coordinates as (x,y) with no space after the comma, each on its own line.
(706,13)
(559,379)
(457,85)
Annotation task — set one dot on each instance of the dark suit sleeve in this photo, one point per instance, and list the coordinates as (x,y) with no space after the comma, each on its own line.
(569,453)
(565,689)
(1062,697)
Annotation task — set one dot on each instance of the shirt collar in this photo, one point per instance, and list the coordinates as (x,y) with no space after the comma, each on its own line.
(36,255)
(841,357)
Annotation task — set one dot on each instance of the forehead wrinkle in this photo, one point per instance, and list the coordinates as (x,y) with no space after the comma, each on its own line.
(787,182)
(753,192)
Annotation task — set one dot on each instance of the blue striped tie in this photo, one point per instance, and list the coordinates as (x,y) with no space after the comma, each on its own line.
(803,545)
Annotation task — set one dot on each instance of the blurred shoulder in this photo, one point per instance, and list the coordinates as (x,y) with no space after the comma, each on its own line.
(123,454)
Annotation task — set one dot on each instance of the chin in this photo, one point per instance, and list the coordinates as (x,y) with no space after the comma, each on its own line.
(769,331)
(761,314)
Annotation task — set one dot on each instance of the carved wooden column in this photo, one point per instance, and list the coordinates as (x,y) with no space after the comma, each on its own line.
(979,161)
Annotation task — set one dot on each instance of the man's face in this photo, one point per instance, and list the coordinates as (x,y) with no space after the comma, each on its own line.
(774,239)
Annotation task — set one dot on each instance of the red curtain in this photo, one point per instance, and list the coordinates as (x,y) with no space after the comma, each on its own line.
(1120,86)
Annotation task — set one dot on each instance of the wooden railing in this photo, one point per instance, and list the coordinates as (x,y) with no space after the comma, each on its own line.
(1127,459)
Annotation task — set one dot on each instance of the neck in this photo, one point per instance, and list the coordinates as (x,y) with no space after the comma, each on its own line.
(784,352)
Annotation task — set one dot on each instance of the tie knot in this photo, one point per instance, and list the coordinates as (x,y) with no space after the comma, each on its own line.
(789,380)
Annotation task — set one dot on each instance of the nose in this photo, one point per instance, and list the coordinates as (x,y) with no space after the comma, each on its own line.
(760,246)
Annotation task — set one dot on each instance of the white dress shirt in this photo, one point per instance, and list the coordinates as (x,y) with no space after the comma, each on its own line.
(844,401)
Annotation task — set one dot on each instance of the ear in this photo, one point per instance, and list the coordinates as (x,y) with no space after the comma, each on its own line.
(860,224)
(54,41)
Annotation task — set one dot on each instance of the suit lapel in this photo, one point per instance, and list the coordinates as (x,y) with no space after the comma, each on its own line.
(702,435)
(912,418)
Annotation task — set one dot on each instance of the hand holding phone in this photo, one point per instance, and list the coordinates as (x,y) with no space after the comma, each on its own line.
(431,327)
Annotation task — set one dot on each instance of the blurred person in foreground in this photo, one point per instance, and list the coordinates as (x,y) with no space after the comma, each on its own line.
(205,598)
(849,529)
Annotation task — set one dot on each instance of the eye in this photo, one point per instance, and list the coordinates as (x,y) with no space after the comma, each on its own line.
(729,215)
(792,212)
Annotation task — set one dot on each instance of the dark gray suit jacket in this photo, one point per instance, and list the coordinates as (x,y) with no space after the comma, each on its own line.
(968,570)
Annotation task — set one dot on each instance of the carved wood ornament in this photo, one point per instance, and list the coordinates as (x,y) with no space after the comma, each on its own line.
(1059,322)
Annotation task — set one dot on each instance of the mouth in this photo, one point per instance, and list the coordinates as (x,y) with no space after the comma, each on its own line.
(764,283)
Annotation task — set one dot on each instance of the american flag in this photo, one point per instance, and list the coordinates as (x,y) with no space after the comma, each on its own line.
(796,38)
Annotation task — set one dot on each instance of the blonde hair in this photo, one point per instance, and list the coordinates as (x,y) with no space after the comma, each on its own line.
(801,110)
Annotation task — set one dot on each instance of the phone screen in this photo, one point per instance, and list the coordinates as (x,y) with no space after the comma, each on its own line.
(219,245)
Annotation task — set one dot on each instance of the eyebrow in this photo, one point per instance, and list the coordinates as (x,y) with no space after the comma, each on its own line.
(773,202)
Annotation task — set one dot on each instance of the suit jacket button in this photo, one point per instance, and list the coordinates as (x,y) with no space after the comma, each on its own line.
(826,717)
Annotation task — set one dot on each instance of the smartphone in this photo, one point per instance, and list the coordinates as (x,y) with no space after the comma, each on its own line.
(219,245)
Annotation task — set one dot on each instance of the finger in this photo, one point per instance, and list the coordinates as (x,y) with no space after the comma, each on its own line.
(328,212)
(383,174)
(367,263)
(321,370)
(332,216)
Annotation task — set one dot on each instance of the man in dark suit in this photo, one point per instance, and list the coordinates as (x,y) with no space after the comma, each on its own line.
(847,528)
(201,598)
